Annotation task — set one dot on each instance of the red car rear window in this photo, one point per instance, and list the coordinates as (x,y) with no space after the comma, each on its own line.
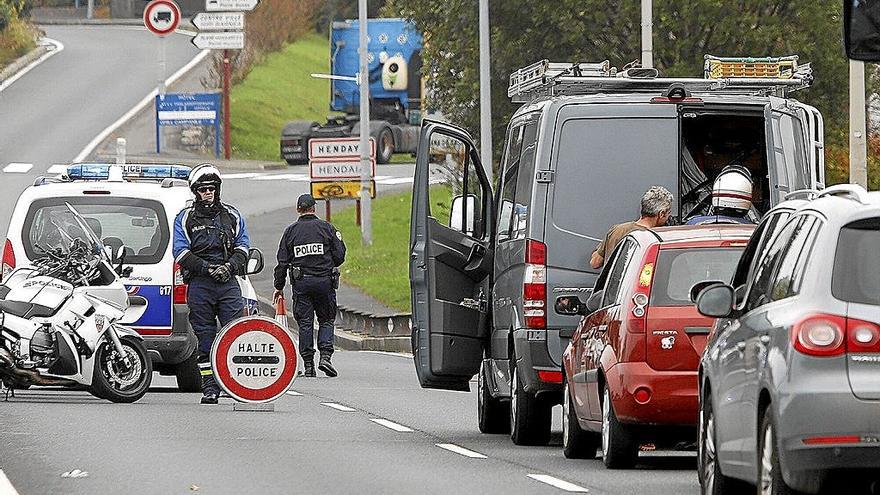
(677,270)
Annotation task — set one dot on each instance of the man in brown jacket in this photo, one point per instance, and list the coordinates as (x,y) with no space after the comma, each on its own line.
(656,210)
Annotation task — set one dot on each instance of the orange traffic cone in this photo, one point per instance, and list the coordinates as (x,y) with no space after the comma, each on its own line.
(281,312)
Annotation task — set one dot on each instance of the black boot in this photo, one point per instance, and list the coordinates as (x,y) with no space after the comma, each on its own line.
(325,366)
(210,390)
(309,368)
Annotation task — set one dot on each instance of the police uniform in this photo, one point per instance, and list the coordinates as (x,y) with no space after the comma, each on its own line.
(309,252)
(211,245)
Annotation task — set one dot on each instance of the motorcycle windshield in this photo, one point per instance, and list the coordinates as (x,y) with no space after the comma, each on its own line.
(88,234)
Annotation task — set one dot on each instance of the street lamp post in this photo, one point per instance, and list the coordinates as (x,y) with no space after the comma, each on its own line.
(485,92)
(647,33)
(366,168)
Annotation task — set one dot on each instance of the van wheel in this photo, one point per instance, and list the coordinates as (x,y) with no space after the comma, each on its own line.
(529,416)
(770,481)
(189,379)
(619,448)
(576,443)
(712,480)
(492,413)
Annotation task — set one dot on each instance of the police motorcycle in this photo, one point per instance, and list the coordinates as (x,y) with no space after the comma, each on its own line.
(61,317)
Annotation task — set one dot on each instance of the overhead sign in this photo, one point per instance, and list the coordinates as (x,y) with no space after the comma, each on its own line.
(338,148)
(221,5)
(254,359)
(219,41)
(162,17)
(348,169)
(340,190)
(219,21)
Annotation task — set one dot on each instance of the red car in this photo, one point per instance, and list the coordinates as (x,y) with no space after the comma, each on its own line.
(631,366)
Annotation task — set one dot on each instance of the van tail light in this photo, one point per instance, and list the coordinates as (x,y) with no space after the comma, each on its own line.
(637,318)
(535,286)
(179,286)
(820,335)
(862,336)
(8,263)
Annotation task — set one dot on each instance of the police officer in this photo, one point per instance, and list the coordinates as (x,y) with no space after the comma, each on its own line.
(211,245)
(731,198)
(311,250)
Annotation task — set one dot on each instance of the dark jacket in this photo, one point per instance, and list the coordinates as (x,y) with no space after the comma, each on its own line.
(313,245)
(201,240)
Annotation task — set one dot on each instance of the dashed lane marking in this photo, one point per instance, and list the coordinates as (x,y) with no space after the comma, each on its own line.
(390,424)
(558,483)
(57,169)
(338,407)
(460,450)
(18,168)
(6,487)
(295,394)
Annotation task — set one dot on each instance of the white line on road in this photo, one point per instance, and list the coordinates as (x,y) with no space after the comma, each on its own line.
(58,48)
(137,108)
(390,424)
(18,168)
(247,175)
(383,353)
(6,487)
(282,177)
(394,181)
(295,394)
(460,450)
(558,483)
(338,407)
(57,169)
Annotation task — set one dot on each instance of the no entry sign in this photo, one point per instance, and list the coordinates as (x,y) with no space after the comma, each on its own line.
(254,359)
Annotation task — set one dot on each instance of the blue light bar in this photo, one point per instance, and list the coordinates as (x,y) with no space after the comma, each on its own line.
(101,171)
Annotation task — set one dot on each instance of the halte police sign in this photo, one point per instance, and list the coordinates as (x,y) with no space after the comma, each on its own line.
(254,359)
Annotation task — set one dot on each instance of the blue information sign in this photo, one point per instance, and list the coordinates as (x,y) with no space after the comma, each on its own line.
(182,109)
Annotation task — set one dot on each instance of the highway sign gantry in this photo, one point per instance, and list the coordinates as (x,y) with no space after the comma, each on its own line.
(219,21)
(162,17)
(219,41)
(230,5)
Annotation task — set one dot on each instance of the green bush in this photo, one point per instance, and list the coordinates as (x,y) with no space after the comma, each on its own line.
(7,14)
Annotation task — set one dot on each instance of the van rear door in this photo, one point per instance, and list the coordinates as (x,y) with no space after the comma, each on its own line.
(788,160)
(451,257)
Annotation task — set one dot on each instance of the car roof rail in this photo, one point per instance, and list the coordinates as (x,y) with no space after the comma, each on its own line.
(802,194)
(168,182)
(43,180)
(851,191)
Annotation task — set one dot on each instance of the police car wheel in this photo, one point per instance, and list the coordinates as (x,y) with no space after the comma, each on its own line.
(189,380)
(115,384)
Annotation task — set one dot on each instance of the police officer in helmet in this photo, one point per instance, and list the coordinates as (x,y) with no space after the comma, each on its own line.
(211,245)
(731,198)
(311,250)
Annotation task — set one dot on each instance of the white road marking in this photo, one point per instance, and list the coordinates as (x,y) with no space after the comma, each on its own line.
(281,177)
(58,48)
(247,175)
(338,407)
(18,168)
(390,424)
(460,450)
(395,180)
(137,108)
(558,483)
(295,394)
(57,169)
(6,487)
(383,353)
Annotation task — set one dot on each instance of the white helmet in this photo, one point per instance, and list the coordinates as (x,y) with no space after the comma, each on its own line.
(204,174)
(733,189)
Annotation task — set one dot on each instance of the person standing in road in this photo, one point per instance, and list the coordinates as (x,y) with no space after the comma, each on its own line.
(311,250)
(211,245)
(656,210)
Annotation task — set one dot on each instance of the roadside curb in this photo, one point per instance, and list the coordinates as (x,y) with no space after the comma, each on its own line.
(184,25)
(21,62)
(223,165)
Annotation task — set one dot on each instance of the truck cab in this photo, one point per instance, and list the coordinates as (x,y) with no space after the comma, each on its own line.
(587,142)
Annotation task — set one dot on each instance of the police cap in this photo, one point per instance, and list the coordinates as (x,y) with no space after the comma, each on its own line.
(305,202)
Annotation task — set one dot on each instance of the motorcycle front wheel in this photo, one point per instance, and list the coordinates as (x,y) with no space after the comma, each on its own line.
(113,381)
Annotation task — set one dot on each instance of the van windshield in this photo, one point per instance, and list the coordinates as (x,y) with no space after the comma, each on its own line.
(678,270)
(857,263)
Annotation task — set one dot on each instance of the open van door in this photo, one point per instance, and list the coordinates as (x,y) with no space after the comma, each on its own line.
(787,156)
(451,257)
(815,143)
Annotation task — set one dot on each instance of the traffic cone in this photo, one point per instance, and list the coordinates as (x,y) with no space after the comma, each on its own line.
(281,312)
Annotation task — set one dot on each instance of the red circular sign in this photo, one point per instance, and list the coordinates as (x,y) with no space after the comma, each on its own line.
(162,16)
(254,359)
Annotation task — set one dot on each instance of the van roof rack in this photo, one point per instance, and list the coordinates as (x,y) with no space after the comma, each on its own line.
(751,76)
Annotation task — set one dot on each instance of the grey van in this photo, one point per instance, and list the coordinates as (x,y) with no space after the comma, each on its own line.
(488,262)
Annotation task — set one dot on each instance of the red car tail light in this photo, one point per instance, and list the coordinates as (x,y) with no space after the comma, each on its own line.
(862,336)
(179,286)
(550,376)
(820,335)
(8,263)
(637,318)
(831,440)
(535,286)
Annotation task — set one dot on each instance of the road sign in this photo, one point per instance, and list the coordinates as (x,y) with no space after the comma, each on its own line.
(162,17)
(183,109)
(254,359)
(346,169)
(221,5)
(340,190)
(337,148)
(219,41)
(219,21)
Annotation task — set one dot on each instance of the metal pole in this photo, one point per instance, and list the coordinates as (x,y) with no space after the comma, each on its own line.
(90,11)
(858,142)
(227,75)
(647,33)
(366,165)
(485,92)
(160,89)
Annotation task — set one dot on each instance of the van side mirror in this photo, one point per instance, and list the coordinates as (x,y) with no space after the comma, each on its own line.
(716,301)
(255,261)
(699,286)
(861,36)
(455,216)
(570,306)
(595,301)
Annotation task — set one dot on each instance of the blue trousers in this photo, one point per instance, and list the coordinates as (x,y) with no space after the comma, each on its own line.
(209,301)
(314,296)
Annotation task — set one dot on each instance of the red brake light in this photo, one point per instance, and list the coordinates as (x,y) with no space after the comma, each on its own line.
(536,252)
(550,376)
(820,335)
(862,336)
(535,286)
(638,304)
(180,287)
(8,263)
(831,440)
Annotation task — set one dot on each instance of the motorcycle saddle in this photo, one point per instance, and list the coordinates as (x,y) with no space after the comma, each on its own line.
(26,310)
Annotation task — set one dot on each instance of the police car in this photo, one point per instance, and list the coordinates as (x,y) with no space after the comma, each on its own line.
(132,209)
